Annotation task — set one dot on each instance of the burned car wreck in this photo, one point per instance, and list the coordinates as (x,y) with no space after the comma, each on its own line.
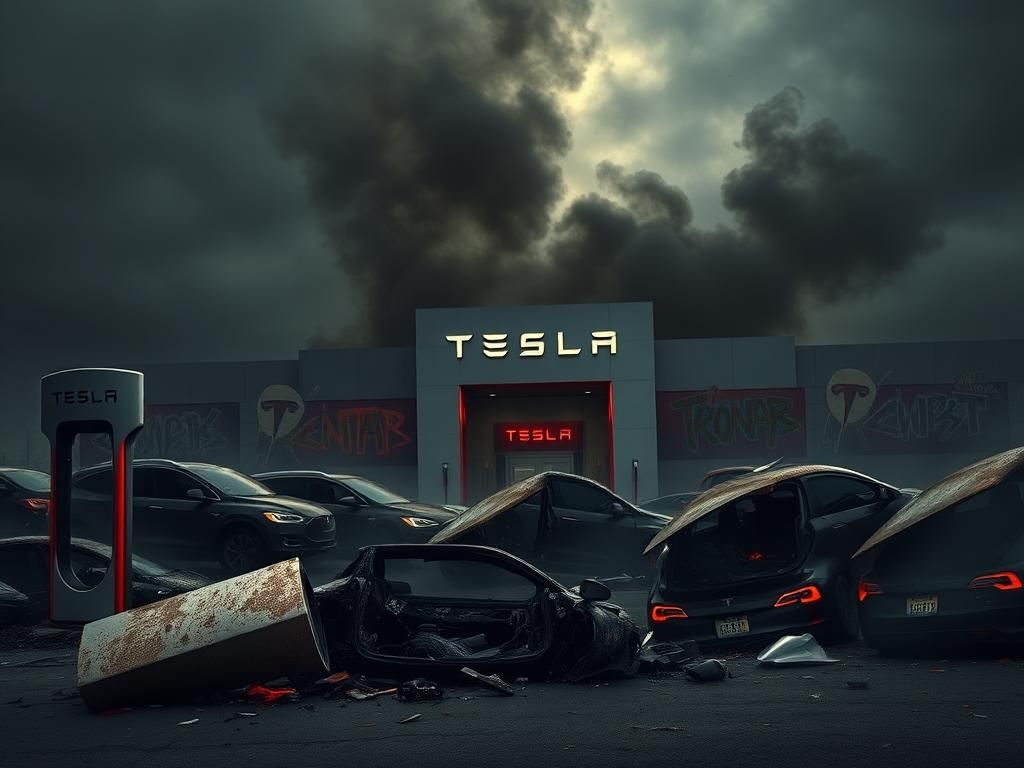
(766,553)
(560,522)
(947,569)
(431,609)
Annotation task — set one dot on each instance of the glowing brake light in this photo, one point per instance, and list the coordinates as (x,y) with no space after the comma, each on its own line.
(867,588)
(803,595)
(35,505)
(1004,580)
(667,612)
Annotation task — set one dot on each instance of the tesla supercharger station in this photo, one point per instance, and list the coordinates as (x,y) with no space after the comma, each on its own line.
(87,401)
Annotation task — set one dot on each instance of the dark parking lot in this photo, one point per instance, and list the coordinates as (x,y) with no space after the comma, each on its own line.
(932,712)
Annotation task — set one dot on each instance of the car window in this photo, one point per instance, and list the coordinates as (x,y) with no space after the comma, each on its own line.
(297,487)
(568,494)
(829,494)
(30,480)
(171,484)
(23,568)
(324,491)
(98,482)
(456,579)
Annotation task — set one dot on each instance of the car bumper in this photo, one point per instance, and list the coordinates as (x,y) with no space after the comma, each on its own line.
(960,616)
(315,536)
(762,621)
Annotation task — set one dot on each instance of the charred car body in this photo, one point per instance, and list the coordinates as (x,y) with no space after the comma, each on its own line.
(948,568)
(428,609)
(767,553)
(25,565)
(559,522)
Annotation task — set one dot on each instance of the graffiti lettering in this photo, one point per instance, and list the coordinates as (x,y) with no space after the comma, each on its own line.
(730,422)
(360,431)
(935,416)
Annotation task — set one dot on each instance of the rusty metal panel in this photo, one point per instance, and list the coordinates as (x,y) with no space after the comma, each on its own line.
(255,627)
(962,484)
(488,509)
(733,490)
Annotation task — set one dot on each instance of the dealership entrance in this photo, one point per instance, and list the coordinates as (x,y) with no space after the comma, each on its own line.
(511,432)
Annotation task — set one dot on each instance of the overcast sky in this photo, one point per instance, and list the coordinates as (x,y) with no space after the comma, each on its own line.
(190,180)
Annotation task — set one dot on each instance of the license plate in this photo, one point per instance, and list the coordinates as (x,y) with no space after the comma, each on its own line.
(732,627)
(922,606)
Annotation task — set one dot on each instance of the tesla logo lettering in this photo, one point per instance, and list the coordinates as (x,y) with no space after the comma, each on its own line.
(532,344)
(84,396)
(539,435)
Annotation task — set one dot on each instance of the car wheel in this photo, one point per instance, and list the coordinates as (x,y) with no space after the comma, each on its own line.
(844,620)
(241,550)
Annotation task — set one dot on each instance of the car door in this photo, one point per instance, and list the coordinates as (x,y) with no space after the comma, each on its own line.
(359,522)
(591,529)
(844,510)
(168,522)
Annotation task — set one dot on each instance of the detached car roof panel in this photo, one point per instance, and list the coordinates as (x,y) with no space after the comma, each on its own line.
(962,484)
(733,490)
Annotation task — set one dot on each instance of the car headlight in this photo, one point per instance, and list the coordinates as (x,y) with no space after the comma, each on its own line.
(283,517)
(419,522)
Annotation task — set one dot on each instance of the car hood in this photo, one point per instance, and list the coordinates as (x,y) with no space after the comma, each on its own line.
(962,484)
(734,490)
(289,504)
(428,511)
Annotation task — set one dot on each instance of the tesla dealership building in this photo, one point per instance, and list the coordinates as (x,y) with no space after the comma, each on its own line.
(491,394)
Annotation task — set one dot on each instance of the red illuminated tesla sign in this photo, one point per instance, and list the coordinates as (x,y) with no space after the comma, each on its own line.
(543,436)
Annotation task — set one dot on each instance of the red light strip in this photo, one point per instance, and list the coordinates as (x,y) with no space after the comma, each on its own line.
(120,504)
(809,594)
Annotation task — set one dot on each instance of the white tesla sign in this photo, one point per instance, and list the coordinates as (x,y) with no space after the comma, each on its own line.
(533,344)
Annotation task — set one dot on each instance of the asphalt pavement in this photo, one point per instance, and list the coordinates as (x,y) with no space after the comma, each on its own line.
(934,712)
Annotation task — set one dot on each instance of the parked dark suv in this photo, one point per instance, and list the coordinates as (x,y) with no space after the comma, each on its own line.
(202,511)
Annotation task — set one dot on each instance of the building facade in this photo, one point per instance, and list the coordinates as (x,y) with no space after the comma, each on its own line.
(488,395)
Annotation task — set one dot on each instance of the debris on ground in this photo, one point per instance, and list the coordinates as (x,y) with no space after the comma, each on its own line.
(270,696)
(241,716)
(369,693)
(795,649)
(857,685)
(193,721)
(707,671)
(657,727)
(493,681)
(662,657)
(420,689)
(410,719)
(62,695)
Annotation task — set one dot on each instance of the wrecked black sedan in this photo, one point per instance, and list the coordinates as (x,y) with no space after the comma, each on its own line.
(562,523)
(948,568)
(14,606)
(767,553)
(405,610)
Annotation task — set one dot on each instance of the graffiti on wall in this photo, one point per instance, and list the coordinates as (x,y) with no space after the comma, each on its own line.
(723,423)
(194,432)
(334,434)
(964,416)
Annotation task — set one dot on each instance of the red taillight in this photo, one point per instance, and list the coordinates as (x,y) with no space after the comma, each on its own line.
(866,588)
(755,556)
(1004,580)
(667,612)
(803,595)
(35,505)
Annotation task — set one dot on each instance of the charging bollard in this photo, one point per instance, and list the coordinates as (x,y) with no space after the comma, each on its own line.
(87,401)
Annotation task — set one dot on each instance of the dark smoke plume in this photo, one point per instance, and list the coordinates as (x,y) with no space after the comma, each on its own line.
(434,164)
(814,220)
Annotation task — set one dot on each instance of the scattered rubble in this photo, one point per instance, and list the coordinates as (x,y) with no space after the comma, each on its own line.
(707,671)
(493,681)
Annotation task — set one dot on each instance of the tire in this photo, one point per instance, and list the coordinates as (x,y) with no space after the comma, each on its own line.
(844,624)
(241,550)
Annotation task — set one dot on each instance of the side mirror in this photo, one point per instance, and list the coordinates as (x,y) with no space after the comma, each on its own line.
(348,501)
(592,589)
(616,508)
(196,493)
